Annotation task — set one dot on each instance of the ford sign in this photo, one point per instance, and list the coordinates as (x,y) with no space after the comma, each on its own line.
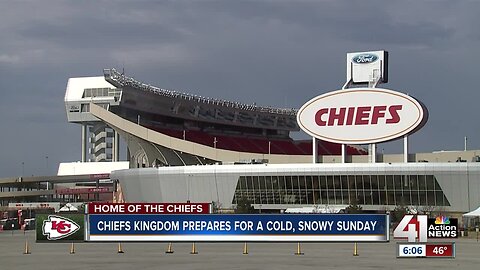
(365,58)
(361,116)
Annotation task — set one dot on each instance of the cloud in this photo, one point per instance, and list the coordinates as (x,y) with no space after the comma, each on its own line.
(162,54)
(278,53)
(8,59)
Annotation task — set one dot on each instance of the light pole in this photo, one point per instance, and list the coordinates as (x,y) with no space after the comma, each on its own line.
(188,187)
(46,165)
(23,168)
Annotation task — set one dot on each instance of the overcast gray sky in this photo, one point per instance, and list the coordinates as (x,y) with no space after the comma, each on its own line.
(278,53)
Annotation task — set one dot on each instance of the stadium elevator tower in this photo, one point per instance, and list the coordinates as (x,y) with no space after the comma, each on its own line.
(99,141)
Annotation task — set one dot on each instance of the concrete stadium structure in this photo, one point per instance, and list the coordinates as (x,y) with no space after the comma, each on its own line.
(75,181)
(449,187)
(169,128)
(196,148)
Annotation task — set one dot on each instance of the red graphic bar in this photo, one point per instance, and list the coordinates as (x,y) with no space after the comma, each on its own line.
(440,250)
(148,208)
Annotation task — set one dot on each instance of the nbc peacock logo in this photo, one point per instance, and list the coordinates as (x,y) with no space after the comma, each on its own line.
(442,220)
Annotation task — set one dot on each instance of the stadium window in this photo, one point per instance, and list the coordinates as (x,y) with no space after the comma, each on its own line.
(282,185)
(262,182)
(323,197)
(288,183)
(241,185)
(397,181)
(414,182)
(414,197)
(431,198)
(309,188)
(271,190)
(445,201)
(437,186)
(422,182)
(278,193)
(345,193)
(344,182)
(389,182)
(85,108)
(406,190)
(367,182)
(382,196)
(87,93)
(430,182)
(330,185)
(248,184)
(252,189)
(390,200)
(364,191)
(422,197)
(261,188)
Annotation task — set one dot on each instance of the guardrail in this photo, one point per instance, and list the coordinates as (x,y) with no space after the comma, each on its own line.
(123,80)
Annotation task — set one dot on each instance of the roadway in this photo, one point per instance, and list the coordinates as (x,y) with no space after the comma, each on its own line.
(47,256)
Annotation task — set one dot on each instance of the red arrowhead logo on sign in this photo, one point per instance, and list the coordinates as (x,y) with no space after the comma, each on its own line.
(57,227)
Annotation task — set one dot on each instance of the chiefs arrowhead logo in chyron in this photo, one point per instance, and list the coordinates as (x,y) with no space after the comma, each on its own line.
(57,227)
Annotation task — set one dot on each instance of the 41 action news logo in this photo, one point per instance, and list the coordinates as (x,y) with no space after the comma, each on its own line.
(420,227)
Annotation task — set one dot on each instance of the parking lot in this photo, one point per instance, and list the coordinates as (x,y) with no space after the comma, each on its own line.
(220,255)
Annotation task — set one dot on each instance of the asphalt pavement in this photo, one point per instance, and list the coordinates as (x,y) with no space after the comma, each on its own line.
(144,256)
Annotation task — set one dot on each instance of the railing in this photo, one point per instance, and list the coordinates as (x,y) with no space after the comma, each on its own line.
(127,81)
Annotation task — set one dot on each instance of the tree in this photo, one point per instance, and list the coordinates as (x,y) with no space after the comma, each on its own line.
(244,206)
(353,208)
(216,206)
(398,213)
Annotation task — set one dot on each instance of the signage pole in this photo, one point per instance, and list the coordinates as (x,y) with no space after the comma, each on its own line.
(405,149)
(84,143)
(372,153)
(116,146)
(314,150)
(344,153)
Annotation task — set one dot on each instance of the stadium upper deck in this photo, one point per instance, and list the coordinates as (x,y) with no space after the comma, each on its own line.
(249,131)
(219,123)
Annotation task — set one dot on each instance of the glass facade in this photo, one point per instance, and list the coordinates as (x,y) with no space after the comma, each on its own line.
(421,190)
(101,92)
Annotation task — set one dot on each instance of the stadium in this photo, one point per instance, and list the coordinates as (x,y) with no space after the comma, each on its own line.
(182,147)
(206,130)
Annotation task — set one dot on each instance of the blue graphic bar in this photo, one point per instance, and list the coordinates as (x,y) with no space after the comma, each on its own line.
(261,228)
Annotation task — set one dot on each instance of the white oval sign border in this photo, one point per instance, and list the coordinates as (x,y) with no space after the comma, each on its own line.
(419,123)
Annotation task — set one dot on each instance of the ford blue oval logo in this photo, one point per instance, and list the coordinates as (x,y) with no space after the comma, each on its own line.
(364,58)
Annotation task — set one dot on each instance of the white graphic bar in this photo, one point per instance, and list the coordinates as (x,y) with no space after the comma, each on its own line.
(233,238)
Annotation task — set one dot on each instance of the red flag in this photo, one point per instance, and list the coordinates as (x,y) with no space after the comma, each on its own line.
(19,217)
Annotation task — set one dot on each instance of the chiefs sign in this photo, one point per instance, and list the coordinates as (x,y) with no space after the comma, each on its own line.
(361,116)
